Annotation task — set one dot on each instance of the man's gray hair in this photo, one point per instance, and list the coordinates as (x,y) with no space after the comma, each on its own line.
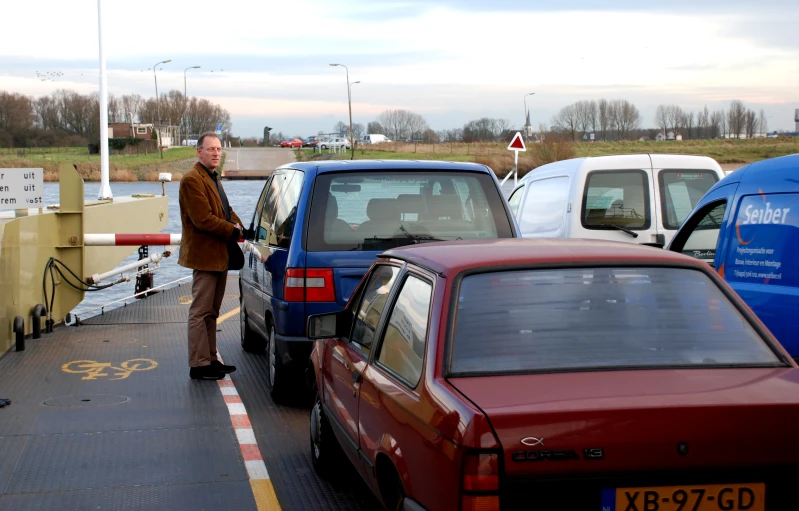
(204,135)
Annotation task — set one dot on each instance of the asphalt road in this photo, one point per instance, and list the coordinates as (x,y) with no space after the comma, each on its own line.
(257,158)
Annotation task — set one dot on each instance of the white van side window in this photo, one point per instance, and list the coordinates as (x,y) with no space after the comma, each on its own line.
(680,192)
(545,206)
(616,197)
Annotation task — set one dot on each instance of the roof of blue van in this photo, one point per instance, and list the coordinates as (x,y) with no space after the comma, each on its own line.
(771,173)
(355,165)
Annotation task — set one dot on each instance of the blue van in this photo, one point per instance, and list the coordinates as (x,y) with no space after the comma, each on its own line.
(319,225)
(747,227)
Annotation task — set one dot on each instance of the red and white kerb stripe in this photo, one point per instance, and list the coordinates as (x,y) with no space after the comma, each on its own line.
(263,491)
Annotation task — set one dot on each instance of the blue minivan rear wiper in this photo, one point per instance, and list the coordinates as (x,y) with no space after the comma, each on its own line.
(418,237)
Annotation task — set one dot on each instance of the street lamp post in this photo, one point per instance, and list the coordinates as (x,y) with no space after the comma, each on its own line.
(185,100)
(349,102)
(526,118)
(352,135)
(158,107)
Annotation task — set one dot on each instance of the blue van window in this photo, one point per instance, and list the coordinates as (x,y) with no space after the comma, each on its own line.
(287,207)
(381,210)
(270,206)
(766,241)
(616,197)
(704,239)
(680,192)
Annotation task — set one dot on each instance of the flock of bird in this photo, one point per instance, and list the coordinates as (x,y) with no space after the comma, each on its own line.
(49,75)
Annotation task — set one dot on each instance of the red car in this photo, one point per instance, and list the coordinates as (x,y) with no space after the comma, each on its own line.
(291,143)
(539,374)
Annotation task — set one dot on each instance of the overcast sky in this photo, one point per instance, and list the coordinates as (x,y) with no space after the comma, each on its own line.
(451,61)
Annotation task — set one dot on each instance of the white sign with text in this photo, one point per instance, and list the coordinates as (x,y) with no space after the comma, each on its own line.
(21,188)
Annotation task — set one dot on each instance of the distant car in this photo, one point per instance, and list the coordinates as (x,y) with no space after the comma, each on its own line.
(554,374)
(334,143)
(310,141)
(291,143)
(374,139)
(319,225)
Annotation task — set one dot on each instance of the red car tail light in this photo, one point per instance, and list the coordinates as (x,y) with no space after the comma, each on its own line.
(479,502)
(312,285)
(480,481)
(480,471)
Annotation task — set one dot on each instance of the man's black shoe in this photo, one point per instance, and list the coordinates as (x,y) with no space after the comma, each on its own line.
(222,368)
(205,373)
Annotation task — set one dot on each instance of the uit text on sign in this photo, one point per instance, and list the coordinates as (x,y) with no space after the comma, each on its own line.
(21,188)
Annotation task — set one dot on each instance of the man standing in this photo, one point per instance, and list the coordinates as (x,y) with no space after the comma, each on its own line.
(208,223)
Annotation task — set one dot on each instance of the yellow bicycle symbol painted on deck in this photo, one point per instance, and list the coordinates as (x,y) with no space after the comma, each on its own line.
(95,370)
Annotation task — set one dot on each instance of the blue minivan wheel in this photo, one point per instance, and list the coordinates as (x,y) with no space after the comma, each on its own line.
(250,341)
(276,373)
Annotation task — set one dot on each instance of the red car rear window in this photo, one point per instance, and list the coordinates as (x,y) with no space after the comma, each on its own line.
(599,318)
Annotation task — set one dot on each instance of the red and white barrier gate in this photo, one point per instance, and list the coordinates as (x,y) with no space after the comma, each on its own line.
(130,240)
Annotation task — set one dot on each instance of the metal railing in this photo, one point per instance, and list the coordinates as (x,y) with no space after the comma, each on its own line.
(101,308)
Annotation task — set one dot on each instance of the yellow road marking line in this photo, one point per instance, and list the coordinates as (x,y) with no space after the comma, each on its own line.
(227,315)
(264,493)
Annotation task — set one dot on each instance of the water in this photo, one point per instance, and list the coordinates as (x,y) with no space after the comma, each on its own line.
(243,195)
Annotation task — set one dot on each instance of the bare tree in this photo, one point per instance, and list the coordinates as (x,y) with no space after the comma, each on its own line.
(722,124)
(374,128)
(628,118)
(702,122)
(341,127)
(131,103)
(662,118)
(46,111)
(762,121)
(750,123)
(688,123)
(358,130)
(603,108)
(567,121)
(736,118)
(114,109)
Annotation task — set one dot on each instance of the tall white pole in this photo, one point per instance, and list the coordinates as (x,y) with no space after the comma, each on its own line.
(105,186)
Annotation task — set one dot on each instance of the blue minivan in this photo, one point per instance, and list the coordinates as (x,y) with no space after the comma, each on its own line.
(319,225)
(747,227)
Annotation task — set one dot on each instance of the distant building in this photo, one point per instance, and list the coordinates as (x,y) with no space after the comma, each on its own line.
(169,134)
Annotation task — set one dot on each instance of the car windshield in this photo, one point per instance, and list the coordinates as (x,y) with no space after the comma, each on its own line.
(380,210)
(680,191)
(599,318)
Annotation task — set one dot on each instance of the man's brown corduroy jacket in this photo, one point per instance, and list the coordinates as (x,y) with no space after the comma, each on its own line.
(204,227)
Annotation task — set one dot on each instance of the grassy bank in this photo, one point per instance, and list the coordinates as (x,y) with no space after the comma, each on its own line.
(122,167)
(495,155)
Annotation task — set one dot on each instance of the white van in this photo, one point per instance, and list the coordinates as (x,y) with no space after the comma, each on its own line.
(638,198)
(374,139)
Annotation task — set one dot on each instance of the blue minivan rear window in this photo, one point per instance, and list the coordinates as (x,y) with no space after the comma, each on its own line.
(381,210)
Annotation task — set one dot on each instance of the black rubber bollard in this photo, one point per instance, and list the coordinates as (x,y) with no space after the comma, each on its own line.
(38,312)
(19,329)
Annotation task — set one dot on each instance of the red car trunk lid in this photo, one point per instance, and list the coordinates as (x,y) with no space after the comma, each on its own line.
(623,421)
